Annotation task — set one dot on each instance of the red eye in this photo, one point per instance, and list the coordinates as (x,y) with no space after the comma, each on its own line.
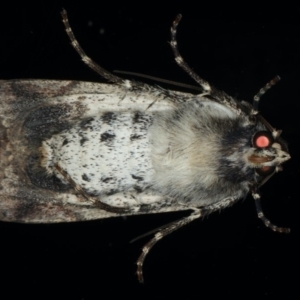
(262,142)
(262,139)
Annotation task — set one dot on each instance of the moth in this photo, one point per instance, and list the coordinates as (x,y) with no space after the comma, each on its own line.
(73,151)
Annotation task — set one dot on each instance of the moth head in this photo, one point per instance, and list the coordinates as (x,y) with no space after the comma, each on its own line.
(268,152)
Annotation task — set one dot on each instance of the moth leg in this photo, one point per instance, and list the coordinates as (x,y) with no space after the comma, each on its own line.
(161,234)
(217,95)
(79,189)
(180,61)
(265,220)
(87,60)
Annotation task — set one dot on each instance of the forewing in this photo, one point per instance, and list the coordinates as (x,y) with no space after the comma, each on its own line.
(33,110)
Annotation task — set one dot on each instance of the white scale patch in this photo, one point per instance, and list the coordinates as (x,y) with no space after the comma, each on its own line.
(104,155)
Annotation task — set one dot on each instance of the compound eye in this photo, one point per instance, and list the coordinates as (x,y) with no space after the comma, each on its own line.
(265,171)
(263,139)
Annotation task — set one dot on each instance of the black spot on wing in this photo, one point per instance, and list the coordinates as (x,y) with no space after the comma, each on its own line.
(83,140)
(112,192)
(107,179)
(85,178)
(138,178)
(141,120)
(86,123)
(108,117)
(135,137)
(107,137)
(65,142)
(137,117)
(138,189)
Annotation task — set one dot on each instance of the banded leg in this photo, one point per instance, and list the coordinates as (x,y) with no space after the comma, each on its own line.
(87,60)
(180,61)
(265,220)
(79,189)
(161,234)
(217,95)
(171,227)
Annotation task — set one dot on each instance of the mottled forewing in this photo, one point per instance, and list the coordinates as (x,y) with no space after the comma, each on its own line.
(32,110)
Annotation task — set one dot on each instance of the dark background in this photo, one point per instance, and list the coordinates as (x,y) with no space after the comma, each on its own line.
(231,253)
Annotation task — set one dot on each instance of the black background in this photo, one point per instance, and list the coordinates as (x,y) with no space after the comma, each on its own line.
(231,253)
